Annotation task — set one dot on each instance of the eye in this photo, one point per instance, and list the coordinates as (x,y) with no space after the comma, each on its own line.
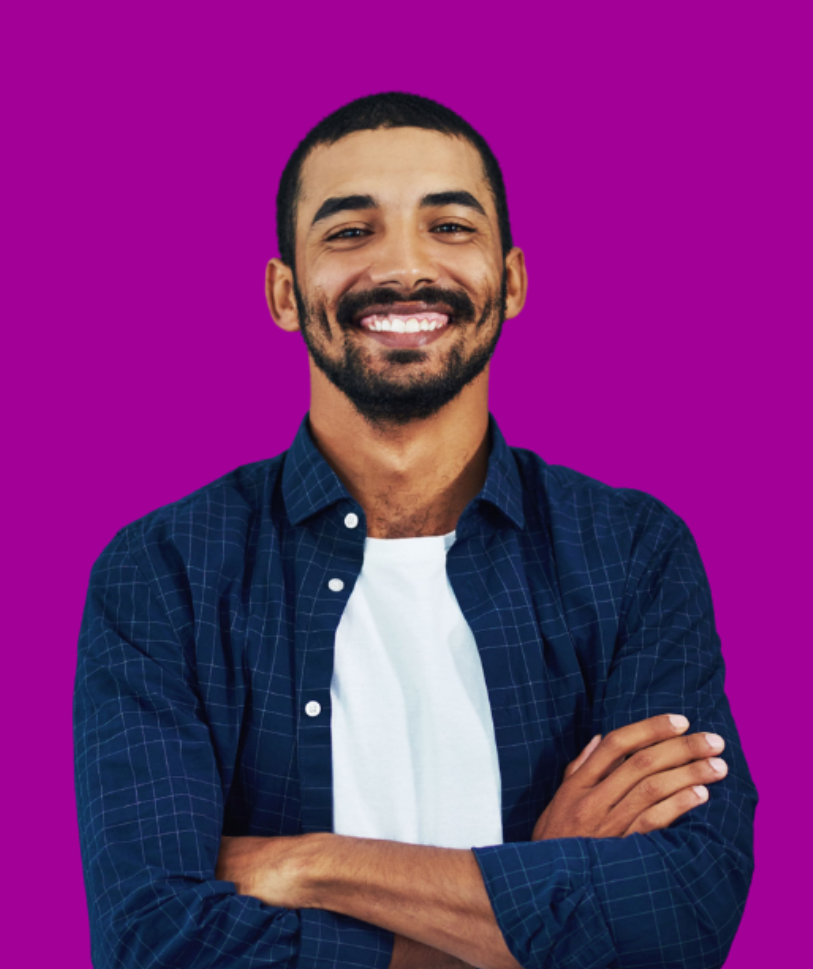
(451,228)
(347,234)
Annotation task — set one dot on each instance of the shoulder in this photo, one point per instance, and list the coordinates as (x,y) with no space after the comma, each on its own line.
(206,524)
(571,506)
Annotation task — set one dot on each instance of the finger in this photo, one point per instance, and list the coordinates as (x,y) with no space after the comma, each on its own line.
(648,769)
(574,765)
(663,814)
(618,744)
(657,788)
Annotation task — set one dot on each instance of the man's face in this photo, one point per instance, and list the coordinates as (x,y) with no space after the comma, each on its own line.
(399,283)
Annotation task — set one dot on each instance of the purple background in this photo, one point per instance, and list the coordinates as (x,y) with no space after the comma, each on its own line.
(658,165)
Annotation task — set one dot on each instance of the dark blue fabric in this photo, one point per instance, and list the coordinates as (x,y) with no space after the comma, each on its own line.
(209,625)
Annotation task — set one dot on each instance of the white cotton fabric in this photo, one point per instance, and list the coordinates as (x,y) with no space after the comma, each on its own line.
(414,753)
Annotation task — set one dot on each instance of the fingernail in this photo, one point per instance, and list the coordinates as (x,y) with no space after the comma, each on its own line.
(678,721)
(717,764)
(714,740)
(701,792)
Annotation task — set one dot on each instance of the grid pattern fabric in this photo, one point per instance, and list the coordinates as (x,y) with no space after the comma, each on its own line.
(210,626)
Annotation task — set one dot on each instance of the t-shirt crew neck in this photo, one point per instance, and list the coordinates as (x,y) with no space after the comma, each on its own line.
(425,546)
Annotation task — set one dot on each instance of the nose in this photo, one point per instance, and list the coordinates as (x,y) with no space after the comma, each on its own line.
(403,260)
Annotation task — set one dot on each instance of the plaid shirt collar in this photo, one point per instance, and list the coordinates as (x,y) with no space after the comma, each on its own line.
(310,485)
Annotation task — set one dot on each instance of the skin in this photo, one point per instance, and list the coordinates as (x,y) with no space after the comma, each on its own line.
(415,479)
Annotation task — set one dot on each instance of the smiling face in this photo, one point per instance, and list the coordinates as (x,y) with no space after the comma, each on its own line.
(401,288)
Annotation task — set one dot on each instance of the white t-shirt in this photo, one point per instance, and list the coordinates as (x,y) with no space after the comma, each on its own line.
(414,753)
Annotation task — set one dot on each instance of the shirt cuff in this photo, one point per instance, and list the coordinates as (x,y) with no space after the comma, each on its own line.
(330,940)
(544,903)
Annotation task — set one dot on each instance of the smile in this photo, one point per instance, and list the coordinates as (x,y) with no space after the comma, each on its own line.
(404,323)
(405,330)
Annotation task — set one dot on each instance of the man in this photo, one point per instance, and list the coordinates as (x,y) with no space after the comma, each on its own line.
(405,696)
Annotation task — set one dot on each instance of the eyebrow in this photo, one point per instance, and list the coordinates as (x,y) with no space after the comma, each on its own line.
(356,203)
(452,198)
(343,203)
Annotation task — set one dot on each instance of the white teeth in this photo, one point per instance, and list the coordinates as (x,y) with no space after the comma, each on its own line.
(385,324)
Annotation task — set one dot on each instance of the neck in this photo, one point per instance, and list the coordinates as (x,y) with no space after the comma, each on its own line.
(412,480)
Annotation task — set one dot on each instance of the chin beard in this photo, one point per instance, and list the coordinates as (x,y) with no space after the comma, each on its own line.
(385,403)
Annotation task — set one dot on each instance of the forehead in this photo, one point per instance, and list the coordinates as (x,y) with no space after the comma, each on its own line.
(395,165)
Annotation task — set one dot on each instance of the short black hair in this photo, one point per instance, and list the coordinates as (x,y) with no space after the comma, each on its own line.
(393,109)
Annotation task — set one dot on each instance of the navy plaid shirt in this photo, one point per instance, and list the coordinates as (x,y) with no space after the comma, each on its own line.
(210,625)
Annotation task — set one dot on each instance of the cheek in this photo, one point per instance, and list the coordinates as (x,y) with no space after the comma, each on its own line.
(478,274)
(316,295)
(332,274)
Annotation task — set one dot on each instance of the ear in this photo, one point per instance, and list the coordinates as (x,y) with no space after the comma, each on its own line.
(516,282)
(279,294)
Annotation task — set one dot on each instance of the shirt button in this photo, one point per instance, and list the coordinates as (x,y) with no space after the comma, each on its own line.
(313,709)
(335,585)
(351,520)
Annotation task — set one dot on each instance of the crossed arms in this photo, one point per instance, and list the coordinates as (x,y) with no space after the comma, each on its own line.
(151,820)
(640,779)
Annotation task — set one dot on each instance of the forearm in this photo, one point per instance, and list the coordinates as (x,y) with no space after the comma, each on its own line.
(435,896)
(409,954)
(280,872)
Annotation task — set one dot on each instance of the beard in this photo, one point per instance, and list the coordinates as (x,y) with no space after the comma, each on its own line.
(382,401)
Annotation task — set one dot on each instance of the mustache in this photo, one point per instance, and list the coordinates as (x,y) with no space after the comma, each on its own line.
(353,304)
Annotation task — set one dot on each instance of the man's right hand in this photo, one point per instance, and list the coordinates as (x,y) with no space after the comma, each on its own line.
(636,779)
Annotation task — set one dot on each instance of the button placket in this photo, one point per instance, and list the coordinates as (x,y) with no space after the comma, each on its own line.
(330,559)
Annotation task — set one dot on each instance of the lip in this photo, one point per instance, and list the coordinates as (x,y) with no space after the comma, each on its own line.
(404,309)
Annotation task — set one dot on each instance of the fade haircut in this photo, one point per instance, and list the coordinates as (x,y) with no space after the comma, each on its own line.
(392,109)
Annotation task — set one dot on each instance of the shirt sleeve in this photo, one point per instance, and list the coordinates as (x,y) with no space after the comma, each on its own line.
(673,897)
(150,806)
